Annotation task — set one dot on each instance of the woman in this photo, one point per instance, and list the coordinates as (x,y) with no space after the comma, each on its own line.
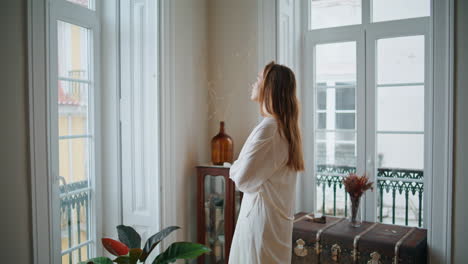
(266,173)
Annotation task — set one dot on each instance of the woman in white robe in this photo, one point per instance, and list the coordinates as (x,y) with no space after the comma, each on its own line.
(266,173)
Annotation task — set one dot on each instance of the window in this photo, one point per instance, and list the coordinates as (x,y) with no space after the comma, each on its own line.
(369,89)
(73,139)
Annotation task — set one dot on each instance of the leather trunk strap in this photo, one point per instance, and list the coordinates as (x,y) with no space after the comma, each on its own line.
(317,238)
(398,244)
(308,216)
(356,240)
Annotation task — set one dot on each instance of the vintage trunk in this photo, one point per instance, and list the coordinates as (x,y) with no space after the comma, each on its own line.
(371,243)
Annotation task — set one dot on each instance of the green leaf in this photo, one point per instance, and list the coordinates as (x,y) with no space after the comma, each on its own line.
(154,241)
(181,250)
(100,260)
(134,255)
(131,258)
(122,260)
(129,236)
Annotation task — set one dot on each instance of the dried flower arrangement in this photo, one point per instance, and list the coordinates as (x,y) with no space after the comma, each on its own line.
(356,186)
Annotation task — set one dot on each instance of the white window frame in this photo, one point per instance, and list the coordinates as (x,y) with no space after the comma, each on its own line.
(43,79)
(438,122)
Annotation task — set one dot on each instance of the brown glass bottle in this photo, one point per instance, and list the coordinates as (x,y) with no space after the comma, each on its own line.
(222,147)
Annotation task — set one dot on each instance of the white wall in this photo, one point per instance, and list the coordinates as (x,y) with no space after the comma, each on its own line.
(460,208)
(15,194)
(232,67)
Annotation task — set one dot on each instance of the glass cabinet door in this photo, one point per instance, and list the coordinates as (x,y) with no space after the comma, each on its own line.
(215,196)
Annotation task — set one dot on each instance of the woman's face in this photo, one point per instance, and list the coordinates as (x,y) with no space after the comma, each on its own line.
(255,87)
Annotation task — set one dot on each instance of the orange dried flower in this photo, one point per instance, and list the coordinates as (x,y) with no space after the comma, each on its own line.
(356,185)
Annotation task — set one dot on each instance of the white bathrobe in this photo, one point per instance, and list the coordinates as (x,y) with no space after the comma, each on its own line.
(264,228)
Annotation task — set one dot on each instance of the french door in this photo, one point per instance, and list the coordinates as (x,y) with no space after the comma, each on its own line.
(368,91)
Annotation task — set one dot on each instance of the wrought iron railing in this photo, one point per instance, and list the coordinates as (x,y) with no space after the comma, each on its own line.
(394,187)
(74,204)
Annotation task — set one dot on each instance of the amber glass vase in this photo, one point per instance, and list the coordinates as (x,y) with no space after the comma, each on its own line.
(222,148)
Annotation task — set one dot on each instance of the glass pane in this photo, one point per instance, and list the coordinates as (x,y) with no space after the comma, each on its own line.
(345,99)
(400,151)
(335,63)
(322,99)
(73,108)
(74,219)
(238,202)
(67,259)
(400,108)
(73,51)
(84,3)
(84,251)
(74,139)
(335,151)
(400,60)
(336,148)
(384,10)
(215,196)
(322,121)
(396,213)
(345,121)
(334,13)
(74,167)
(331,199)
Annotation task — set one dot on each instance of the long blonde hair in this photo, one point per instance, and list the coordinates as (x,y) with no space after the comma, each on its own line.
(277,96)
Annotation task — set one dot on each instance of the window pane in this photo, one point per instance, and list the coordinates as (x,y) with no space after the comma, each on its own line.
(84,3)
(74,163)
(345,99)
(335,62)
(73,51)
(335,151)
(400,108)
(334,13)
(414,213)
(400,60)
(73,108)
(75,142)
(322,121)
(74,219)
(345,121)
(333,148)
(384,10)
(400,151)
(345,153)
(321,100)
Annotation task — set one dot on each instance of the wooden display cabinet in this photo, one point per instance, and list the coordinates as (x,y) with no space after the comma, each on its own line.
(218,205)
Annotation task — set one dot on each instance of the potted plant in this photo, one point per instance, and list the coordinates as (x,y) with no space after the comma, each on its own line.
(128,249)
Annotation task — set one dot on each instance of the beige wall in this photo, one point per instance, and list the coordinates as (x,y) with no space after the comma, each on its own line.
(232,67)
(460,209)
(191,108)
(15,220)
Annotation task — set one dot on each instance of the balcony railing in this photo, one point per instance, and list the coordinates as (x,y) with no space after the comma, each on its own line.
(399,193)
(74,204)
